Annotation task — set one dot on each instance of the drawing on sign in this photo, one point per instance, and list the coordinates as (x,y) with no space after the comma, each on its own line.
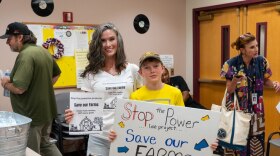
(111,104)
(87,125)
(123,149)
(121,124)
(202,144)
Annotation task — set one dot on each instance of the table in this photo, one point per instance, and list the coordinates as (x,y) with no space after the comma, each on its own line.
(30,152)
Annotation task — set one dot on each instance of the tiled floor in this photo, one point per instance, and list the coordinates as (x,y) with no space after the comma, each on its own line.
(79,153)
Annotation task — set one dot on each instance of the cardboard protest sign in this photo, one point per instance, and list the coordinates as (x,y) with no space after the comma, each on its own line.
(149,129)
(88,112)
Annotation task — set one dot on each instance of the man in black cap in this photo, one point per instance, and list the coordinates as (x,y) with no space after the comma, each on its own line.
(31,86)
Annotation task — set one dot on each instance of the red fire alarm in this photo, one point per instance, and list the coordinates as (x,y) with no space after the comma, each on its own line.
(67,17)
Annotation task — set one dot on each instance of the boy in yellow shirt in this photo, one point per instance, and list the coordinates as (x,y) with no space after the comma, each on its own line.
(154,90)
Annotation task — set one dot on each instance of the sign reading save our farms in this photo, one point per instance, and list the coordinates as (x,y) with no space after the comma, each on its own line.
(149,129)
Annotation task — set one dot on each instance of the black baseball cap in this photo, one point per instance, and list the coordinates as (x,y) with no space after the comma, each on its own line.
(16,28)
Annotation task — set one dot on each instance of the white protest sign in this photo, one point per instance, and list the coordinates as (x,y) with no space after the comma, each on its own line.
(149,129)
(88,112)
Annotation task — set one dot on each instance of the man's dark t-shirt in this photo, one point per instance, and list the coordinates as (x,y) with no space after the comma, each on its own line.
(180,83)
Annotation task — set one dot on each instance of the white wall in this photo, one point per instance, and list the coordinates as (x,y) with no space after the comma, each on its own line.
(165,36)
(170,31)
(190,5)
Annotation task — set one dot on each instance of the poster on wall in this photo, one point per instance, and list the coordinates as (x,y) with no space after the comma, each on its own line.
(168,62)
(67,38)
(145,128)
(81,63)
(63,40)
(38,33)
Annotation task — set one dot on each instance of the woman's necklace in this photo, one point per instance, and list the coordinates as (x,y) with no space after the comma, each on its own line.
(111,71)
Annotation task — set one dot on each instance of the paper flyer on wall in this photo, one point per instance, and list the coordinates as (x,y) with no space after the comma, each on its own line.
(88,113)
(67,38)
(81,63)
(168,62)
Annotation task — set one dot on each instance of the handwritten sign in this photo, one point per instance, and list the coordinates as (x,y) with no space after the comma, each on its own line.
(145,128)
(88,112)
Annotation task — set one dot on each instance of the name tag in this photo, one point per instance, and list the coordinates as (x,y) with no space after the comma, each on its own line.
(254,98)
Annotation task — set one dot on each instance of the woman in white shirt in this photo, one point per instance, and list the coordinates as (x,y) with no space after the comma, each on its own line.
(108,72)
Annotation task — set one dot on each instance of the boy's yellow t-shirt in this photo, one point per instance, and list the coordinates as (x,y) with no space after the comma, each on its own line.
(168,95)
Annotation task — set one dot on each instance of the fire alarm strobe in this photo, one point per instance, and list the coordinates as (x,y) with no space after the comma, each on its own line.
(67,17)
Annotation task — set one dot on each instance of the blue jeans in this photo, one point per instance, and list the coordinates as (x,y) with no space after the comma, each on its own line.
(98,146)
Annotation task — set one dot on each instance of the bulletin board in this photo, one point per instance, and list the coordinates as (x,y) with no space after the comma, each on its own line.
(73,38)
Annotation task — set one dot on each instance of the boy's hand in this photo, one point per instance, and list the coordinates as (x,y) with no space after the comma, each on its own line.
(214,145)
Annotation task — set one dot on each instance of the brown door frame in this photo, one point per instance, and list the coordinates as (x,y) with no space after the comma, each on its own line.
(196,37)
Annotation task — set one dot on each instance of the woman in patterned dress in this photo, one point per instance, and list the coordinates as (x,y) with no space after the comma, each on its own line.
(247,74)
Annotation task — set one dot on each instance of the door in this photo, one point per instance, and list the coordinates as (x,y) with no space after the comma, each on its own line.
(238,20)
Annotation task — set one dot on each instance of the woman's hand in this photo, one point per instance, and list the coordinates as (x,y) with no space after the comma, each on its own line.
(112,135)
(231,84)
(238,78)
(68,115)
(276,86)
